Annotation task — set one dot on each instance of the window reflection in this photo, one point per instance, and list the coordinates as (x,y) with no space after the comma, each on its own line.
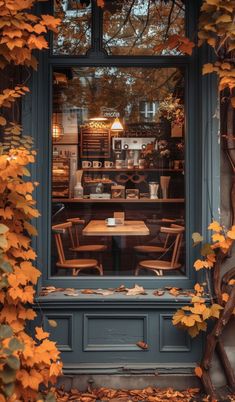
(74,31)
(119,156)
(138,27)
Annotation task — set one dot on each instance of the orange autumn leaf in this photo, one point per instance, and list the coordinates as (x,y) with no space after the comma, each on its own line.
(199,264)
(215,226)
(30,379)
(198,371)
(225,297)
(40,334)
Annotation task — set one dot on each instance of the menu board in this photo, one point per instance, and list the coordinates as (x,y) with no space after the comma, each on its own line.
(95,143)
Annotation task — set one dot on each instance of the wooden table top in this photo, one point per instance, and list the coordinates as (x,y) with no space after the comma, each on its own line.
(130,228)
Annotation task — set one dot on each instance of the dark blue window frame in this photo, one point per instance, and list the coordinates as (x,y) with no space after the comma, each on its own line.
(201,166)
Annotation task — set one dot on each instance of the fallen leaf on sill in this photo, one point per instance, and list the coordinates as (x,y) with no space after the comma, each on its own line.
(137,290)
(104,292)
(158,292)
(121,288)
(71,294)
(174,291)
(142,345)
(88,291)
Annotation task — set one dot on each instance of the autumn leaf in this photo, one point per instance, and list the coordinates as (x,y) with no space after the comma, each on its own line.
(197,238)
(198,371)
(142,345)
(215,226)
(40,334)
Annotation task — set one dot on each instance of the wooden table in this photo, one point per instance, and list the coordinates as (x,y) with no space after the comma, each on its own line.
(129,228)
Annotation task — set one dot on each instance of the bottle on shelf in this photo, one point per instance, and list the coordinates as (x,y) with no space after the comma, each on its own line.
(78,189)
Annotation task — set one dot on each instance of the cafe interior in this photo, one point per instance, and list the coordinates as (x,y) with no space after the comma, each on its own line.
(118,171)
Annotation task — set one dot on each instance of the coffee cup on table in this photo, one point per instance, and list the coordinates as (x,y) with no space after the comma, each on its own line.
(97,164)
(110,221)
(108,164)
(86,164)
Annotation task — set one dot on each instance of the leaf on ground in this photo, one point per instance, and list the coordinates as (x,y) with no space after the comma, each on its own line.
(136,290)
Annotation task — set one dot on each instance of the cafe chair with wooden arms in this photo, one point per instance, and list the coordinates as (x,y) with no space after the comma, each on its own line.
(159,266)
(150,248)
(74,237)
(76,265)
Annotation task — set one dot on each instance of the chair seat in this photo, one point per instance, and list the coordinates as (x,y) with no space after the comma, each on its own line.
(150,249)
(80,263)
(90,248)
(158,264)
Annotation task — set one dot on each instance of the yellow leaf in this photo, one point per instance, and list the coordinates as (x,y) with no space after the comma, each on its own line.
(188,320)
(208,68)
(197,238)
(232,282)
(177,317)
(199,264)
(224,18)
(231,232)
(218,237)
(215,226)
(215,310)
(198,288)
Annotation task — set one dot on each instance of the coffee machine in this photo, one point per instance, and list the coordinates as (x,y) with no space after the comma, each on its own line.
(130,147)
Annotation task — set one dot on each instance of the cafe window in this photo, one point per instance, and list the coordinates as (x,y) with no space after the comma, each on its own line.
(118,173)
(119,142)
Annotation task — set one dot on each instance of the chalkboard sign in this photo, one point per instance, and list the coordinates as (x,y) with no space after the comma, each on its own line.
(95,143)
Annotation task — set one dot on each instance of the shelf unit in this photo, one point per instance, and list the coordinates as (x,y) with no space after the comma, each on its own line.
(96,170)
(119,200)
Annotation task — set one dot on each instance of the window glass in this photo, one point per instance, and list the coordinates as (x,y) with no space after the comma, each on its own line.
(140,27)
(74,31)
(118,179)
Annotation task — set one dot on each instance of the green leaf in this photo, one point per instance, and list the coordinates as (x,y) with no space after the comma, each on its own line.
(5,266)
(206,249)
(197,238)
(15,344)
(13,362)
(50,397)
(7,375)
(3,283)
(5,332)
(8,389)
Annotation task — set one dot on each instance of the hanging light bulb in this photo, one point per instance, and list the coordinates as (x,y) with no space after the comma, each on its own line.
(57,128)
(117,125)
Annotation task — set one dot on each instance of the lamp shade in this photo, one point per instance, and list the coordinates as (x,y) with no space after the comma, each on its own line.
(57,128)
(117,125)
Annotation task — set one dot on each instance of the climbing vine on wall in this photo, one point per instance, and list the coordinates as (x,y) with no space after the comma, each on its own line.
(28,360)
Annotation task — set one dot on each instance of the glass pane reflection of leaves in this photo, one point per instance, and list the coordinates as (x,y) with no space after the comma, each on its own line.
(138,27)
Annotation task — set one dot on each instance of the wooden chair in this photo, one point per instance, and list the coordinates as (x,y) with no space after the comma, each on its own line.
(158,266)
(148,248)
(74,237)
(76,265)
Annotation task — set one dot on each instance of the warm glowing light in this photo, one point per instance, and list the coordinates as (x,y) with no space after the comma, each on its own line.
(57,128)
(117,125)
(98,119)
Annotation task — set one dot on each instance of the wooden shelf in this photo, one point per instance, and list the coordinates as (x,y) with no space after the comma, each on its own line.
(119,200)
(131,170)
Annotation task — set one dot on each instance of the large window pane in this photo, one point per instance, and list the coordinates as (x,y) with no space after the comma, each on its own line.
(138,27)
(74,31)
(118,147)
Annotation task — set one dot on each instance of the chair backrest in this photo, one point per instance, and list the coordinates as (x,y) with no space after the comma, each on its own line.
(58,230)
(74,230)
(177,231)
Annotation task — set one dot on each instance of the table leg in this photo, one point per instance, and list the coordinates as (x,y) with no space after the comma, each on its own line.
(116,250)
